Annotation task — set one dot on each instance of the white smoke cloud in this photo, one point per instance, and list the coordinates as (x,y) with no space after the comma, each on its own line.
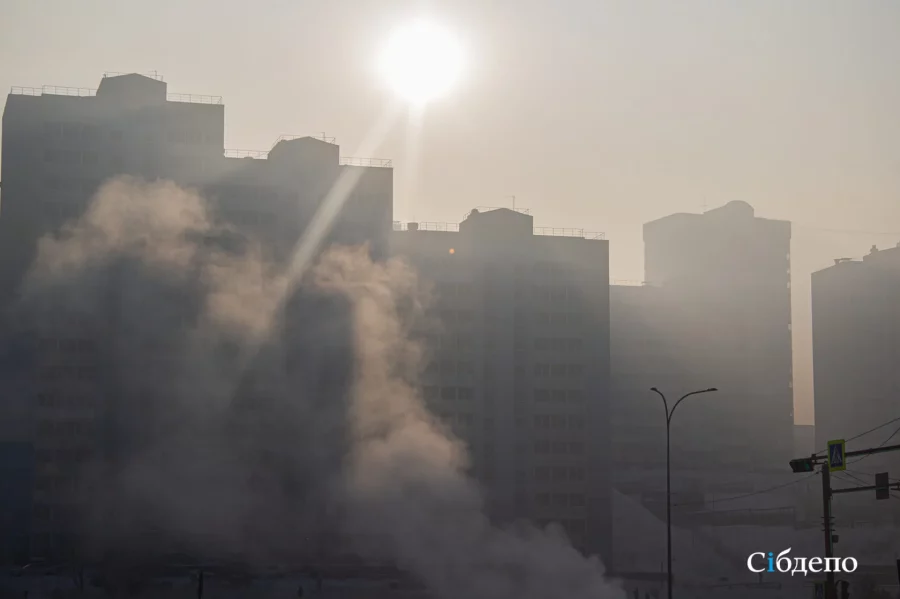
(253,434)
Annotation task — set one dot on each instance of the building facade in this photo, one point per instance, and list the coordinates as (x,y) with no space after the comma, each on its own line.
(521,366)
(714,311)
(856,348)
(59,146)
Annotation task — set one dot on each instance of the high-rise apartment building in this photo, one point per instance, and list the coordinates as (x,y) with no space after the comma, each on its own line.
(856,349)
(714,311)
(729,272)
(521,368)
(59,146)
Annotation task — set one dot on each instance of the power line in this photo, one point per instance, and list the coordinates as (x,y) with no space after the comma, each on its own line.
(769,490)
(883,443)
(869,474)
(871,430)
(855,478)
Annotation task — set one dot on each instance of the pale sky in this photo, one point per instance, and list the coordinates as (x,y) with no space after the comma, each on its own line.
(598,115)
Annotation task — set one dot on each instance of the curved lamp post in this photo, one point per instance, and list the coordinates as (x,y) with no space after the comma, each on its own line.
(669,476)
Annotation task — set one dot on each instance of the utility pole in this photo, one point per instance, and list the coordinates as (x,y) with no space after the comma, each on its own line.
(837,460)
(830,591)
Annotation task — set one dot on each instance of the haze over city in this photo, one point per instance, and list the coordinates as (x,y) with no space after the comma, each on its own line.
(588,112)
(330,221)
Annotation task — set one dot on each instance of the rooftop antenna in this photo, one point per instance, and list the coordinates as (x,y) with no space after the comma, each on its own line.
(513,202)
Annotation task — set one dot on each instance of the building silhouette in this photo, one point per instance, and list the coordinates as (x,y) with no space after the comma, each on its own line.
(714,311)
(59,146)
(520,363)
(856,347)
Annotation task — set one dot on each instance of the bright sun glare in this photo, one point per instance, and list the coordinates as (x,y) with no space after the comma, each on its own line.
(421,62)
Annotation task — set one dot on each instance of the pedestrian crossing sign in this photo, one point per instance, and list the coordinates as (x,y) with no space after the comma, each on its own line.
(837,455)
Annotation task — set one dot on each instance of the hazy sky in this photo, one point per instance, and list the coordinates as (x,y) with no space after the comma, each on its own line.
(600,115)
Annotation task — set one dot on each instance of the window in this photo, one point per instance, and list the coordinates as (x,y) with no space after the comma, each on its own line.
(71,131)
(558,422)
(576,448)
(542,474)
(558,395)
(542,499)
(448,393)
(560,500)
(541,394)
(560,474)
(541,370)
(575,370)
(542,447)
(52,130)
(559,447)
(576,500)
(464,393)
(558,370)
(576,473)
(573,395)
(488,425)
(432,393)
(576,423)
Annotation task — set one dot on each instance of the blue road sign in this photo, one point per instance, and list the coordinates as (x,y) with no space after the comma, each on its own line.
(837,455)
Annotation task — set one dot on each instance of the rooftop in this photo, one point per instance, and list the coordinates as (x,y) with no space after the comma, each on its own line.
(448,227)
(84,92)
(343,160)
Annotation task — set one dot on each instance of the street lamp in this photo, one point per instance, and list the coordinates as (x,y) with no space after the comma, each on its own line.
(669,477)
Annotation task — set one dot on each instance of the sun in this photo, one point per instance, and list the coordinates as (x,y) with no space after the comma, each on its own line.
(421,62)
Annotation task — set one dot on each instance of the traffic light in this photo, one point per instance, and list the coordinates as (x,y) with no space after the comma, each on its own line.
(845,589)
(802,465)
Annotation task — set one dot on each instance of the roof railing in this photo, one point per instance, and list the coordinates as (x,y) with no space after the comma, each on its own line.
(257,154)
(366,162)
(58,90)
(427,226)
(53,90)
(17,90)
(558,232)
(194,98)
